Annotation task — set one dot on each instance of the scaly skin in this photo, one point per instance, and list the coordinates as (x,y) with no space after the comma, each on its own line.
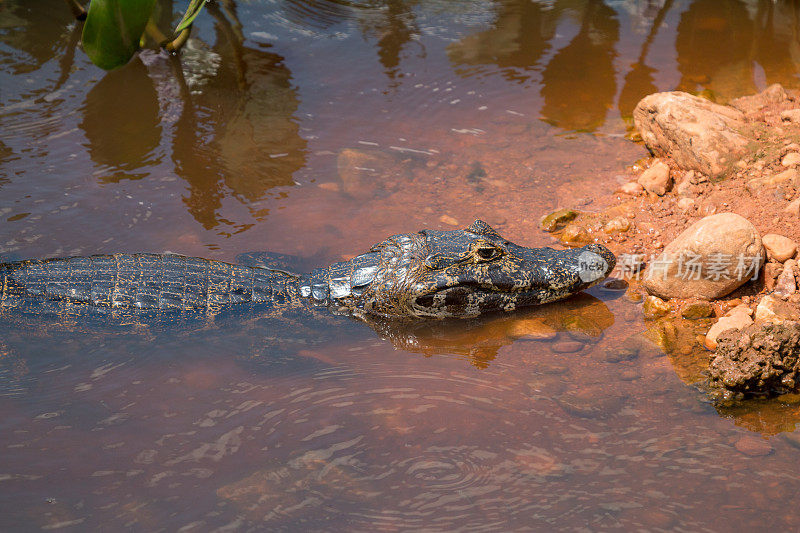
(429,274)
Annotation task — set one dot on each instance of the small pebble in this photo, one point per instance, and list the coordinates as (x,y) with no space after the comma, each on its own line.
(793,208)
(791,159)
(617,225)
(532,328)
(632,188)
(575,234)
(615,284)
(778,247)
(567,347)
(330,186)
(447,219)
(753,446)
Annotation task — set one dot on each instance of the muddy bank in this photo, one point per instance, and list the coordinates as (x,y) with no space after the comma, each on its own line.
(706,230)
(758,358)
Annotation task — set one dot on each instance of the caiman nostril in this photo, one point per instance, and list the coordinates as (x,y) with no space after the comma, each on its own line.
(605,253)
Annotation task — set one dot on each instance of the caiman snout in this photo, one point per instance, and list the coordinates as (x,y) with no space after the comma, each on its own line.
(595,262)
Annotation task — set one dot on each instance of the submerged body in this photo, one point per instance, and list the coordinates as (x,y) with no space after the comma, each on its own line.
(429,274)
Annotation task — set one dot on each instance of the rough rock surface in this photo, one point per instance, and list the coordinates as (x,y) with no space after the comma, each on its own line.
(656,178)
(766,106)
(655,307)
(791,159)
(694,309)
(778,247)
(755,104)
(697,134)
(735,319)
(759,359)
(772,310)
(786,284)
(713,242)
(632,187)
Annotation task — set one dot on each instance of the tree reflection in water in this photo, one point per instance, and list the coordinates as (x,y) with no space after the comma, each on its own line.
(237,137)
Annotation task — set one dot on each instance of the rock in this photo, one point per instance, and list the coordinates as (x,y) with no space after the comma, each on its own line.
(656,178)
(616,354)
(697,134)
(761,358)
(330,186)
(791,159)
(686,204)
(793,207)
(615,284)
(697,309)
(786,284)
(532,328)
(755,103)
(711,258)
(753,446)
(632,187)
(773,310)
(740,309)
(617,225)
(633,295)
(575,235)
(361,170)
(787,177)
(596,402)
(567,347)
(557,218)
(778,247)
(736,318)
(722,307)
(791,115)
(447,219)
(655,307)
(771,273)
(685,189)
(546,385)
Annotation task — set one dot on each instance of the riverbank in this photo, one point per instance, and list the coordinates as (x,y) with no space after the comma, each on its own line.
(706,230)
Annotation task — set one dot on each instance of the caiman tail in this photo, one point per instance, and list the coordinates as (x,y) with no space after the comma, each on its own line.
(144,281)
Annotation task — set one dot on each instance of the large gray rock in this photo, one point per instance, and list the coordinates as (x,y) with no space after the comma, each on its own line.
(697,134)
(704,260)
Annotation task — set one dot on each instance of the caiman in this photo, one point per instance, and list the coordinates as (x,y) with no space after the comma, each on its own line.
(428,274)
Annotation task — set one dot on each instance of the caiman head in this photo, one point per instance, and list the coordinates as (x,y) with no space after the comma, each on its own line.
(461,273)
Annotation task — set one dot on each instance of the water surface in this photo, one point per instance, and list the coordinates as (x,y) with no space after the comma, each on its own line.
(317,128)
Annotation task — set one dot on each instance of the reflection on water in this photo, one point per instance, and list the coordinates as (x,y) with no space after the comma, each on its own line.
(232,114)
(708,26)
(583,318)
(122,137)
(315,128)
(580,102)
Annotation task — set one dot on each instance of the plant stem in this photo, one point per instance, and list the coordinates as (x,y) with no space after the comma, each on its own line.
(157,35)
(163,41)
(77,10)
(176,44)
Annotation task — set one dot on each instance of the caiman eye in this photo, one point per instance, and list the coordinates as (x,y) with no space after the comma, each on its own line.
(488,253)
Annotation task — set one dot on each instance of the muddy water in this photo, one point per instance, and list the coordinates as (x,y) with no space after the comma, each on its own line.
(317,128)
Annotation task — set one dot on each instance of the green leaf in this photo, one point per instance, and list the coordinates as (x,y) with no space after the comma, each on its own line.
(112,30)
(191,13)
